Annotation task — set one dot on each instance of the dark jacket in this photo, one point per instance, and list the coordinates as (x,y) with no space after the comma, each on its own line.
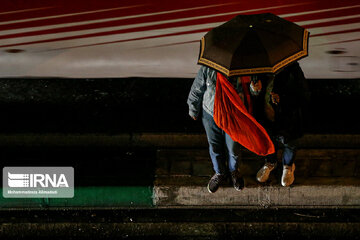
(291,86)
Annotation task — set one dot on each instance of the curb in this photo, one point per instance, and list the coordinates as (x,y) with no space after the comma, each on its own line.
(185,223)
(162,140)
(311,192)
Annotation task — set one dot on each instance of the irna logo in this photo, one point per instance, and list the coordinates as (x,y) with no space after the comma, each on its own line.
(37,180)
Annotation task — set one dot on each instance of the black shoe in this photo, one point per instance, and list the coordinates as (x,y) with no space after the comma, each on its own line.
(215,182)
(238,181)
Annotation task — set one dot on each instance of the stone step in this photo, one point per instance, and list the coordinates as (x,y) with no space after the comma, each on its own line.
(181,223)
(309,162)
(323,177)
(312,191)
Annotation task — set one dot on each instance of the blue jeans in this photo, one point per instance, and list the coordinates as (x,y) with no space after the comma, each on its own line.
(221,146)
(288,154)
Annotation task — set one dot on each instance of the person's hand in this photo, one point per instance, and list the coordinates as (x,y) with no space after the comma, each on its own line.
(275,98)
(256,86)
(195,118)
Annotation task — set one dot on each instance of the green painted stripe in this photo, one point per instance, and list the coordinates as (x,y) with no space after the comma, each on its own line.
(105,196)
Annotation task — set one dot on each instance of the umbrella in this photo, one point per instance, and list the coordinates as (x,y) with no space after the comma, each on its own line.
(253,44)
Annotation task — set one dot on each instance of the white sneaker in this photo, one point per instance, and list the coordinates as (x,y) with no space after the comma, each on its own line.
(288,175)
(264,172)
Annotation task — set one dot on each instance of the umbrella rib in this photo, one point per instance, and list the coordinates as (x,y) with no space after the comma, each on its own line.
(262,42)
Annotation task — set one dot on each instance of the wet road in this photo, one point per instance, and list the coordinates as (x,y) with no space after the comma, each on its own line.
(182,223)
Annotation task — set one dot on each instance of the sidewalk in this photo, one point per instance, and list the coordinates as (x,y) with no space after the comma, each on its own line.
(323,177)
(172,169)
(181,223)
(153,186)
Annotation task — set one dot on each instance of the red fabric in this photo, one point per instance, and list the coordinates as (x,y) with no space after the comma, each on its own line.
(230,114)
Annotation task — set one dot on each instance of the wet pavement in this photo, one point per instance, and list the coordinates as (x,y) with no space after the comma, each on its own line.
(323,177)
(182,223)
(116,196)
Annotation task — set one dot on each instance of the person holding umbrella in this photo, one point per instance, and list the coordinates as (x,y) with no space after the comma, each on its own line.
(201,102)
(245,46)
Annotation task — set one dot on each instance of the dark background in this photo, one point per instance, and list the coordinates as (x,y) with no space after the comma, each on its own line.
(113,106)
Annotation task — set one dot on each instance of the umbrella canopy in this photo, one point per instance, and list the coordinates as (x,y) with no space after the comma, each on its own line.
(253,44)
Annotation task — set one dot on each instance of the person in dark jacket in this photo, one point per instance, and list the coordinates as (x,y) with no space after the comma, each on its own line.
(284,99)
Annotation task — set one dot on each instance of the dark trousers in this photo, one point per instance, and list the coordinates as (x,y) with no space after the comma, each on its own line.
(221,146)
(288,154)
